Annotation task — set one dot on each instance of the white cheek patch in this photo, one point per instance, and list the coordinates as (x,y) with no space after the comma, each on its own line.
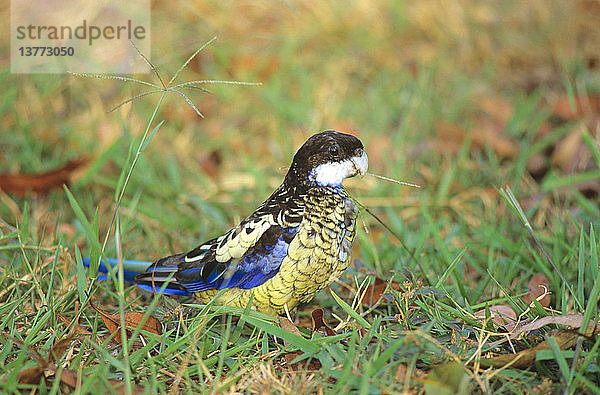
(332,173)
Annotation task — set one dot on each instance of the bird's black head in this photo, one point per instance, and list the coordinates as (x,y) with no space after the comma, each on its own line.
(326,159)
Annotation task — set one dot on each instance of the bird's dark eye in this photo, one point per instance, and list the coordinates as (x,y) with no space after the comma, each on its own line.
(333,150)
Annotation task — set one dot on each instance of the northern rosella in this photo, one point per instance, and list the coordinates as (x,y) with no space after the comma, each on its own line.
(296,243)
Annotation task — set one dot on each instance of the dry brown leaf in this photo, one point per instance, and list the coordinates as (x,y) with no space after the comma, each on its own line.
(31,375)
(567,152)
(538,286)
(450,138)
(572,320)
(69,378)
(211,163)
(59,348)
(261,66)
(499,109)
(501,314)
(306,364)
(289,326)
(375,291)
(76,329)
(537,165)
(318,322)
(504,315)
(20,184)
(134,318)
(526,358)
(119,387)
(132,322)
(583,105)
(36,374)
(503,146)
(112,323)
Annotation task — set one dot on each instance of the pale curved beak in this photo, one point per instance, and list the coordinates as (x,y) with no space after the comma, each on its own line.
(361,163)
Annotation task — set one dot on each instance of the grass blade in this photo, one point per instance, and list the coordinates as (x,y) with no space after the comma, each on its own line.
(350,311)
(81,276)
(151,135)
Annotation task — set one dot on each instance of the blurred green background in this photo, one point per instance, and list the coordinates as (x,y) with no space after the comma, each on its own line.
(460,97)
(410,79)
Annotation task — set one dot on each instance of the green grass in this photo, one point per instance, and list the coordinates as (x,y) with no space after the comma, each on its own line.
(390,73)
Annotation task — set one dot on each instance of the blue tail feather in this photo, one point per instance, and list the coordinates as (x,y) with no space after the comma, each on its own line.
(133,268)
(130,268)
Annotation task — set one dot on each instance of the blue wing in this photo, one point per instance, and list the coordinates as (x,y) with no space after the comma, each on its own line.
(245,257)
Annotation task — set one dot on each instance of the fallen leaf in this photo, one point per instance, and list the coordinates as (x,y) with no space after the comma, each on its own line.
(572,320)
(537,165)
(134,318)
(450,138)
(306,364)
(59,348)
(538,286)
(20,184)
(35,374)
(526,358)
(289,326)
(31,375)
(318,322)
(498,109)
(567,151)
(504,147)
(132,322)
(505,316)
(583,105)
(119,387)
(211,163)
(375,291)
(74,325)
(502,315)
(69,378)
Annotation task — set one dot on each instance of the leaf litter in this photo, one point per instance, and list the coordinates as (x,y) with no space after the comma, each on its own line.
(19,184)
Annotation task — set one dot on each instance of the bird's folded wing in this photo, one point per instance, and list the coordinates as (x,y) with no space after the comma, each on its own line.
(245,257)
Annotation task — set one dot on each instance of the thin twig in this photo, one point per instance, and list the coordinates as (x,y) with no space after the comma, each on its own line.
(507,193)
(393,180)
(411,252)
